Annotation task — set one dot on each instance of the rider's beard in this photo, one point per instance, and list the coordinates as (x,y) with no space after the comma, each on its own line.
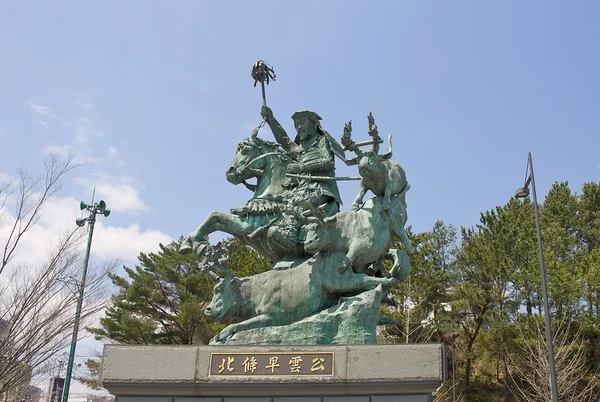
(301,135)
(305,135)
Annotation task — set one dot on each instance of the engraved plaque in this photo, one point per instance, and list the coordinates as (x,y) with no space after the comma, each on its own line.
(271,364)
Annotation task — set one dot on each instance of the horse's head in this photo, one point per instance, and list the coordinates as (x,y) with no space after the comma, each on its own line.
(251,159)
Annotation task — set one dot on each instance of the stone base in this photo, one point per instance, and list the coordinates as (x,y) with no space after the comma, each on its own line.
(361,373)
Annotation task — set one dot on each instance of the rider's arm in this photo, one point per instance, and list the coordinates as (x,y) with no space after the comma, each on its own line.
(278,132)
(281,136)
(353,161)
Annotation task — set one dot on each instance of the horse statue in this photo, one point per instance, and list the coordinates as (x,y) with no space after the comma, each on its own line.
(264,222)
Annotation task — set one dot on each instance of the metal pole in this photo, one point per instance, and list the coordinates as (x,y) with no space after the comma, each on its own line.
(552,365)
(91,220)
(60,366)
(453,369)
(262,72)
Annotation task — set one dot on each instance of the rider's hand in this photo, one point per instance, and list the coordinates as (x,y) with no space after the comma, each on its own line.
(294,168)
(266,113)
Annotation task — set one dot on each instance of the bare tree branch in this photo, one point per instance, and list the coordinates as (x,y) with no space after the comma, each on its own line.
(6,190)
(530,372)
(32,194)
(37,303)
(37,309)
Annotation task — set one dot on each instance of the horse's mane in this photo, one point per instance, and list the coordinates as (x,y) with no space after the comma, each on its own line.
(267,146)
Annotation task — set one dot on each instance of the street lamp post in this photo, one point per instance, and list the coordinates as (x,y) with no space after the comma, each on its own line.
(454,336)
(522,193)
(98,208)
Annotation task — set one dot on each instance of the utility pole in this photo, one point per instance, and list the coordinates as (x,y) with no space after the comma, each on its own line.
(98,208)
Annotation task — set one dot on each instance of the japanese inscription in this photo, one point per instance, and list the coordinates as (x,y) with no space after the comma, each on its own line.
(276,363)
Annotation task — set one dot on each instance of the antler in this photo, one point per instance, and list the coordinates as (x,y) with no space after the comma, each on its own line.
(212,269)
(312,212)
(223,270)
(374,133)
(207,270)
(346,137)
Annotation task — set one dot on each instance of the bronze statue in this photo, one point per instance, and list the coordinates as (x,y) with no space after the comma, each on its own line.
(294,220)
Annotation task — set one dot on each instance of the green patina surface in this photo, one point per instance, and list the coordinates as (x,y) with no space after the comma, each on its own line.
(326,263)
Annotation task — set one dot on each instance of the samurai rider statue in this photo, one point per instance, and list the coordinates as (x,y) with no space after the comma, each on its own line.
(312,164)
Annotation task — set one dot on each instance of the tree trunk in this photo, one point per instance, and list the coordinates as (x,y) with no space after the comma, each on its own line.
(597,303)
(503,356)
(478,324)
(505,375)
(407,328)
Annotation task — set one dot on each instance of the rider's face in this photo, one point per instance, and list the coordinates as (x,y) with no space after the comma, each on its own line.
(305,128)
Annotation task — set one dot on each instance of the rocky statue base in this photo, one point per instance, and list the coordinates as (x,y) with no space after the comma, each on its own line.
(327,373)
(353,321)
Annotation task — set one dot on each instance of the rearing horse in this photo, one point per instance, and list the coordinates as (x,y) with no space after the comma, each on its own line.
(250,223)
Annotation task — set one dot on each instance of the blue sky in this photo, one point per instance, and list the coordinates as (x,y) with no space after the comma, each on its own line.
(466,88)
(155,96)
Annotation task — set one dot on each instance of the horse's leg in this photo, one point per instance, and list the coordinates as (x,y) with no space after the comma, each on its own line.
(397,226)
(348,282)
(215,222)
(351,282)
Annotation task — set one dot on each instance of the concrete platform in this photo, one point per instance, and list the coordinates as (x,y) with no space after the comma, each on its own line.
(340,373)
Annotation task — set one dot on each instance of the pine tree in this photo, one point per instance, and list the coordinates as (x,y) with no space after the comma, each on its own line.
(565,277)
(423,298)
(485,294)
(587,225)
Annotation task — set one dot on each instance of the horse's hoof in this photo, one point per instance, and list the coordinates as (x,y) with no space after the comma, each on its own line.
(200,248)
(390,301)
(185,249)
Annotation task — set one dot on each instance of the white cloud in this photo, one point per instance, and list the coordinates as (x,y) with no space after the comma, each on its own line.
(42,123)
(84,129)
(83,103)
(60,150)
(118,192)
(59,215)
(125,242)
(113,156)
(40,109)
(65,150)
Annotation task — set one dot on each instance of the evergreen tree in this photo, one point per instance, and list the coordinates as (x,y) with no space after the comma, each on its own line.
(588,258)
(92,379)
(587,225)
(565,277)
(485,295)
(423,298)
(523,254)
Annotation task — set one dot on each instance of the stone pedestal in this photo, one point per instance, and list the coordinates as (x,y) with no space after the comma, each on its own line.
(327,373)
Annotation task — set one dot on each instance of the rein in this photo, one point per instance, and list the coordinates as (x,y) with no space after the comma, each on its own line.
(247,166)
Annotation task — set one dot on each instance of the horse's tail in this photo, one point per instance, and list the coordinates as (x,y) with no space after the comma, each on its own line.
(401,267)
(402,194)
